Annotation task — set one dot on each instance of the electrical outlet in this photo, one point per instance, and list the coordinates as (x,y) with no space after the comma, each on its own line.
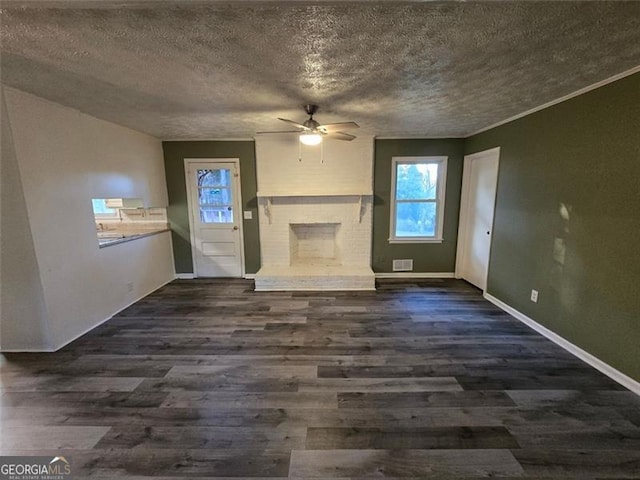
(248,215)
(130,287)
(534,296)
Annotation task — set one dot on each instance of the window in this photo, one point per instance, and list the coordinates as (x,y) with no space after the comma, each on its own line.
(215,195)
(109,208)
(102,210)
(417,199)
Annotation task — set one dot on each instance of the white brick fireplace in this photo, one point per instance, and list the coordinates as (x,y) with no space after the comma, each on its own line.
(314,244)
(315,214)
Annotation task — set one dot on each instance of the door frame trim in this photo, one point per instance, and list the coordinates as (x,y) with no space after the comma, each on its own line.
(463,227)
(190,211)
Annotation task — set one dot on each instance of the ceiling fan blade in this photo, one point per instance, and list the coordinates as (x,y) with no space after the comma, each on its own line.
(281,131)
(341,136)
(299,125)
(332,127)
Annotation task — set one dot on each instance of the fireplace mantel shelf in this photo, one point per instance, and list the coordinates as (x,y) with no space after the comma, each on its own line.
(313,194)
(360,203)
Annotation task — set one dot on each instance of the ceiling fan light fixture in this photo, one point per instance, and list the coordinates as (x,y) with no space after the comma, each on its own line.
(310,132)
(310,138)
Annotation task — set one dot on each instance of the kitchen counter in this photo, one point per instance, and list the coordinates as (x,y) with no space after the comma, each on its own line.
(108,238)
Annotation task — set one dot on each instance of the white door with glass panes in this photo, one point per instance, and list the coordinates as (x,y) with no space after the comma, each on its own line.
(215,217)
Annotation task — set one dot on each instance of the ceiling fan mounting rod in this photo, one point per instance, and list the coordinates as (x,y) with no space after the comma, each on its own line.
(310,109)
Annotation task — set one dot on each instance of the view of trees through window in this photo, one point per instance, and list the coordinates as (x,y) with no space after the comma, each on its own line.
(215,196)
(416,199)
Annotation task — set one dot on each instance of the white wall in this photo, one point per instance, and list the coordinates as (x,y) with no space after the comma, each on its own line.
(337,181)
(344,166)
(21,294)
(64,159)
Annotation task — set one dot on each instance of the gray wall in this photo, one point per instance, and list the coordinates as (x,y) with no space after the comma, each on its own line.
(567,220)
(427,257)
(174,155)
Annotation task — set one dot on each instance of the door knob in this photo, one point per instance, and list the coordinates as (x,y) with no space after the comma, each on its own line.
(235,227)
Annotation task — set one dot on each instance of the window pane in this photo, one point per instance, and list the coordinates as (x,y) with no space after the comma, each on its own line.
(416,219)
(416,181)
(215,196)
(214,178)
(100,207)
(216,215)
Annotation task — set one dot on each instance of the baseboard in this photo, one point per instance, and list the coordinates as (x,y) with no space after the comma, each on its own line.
(27,350)
(84,332)
(111,316)
(184,276)
(583,355)
(316,289)
(191,276)
(414,275)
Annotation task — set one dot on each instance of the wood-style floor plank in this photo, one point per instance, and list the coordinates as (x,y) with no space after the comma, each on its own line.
(403,463)
(196,437)
(368,438)
(420,379)
(424,399)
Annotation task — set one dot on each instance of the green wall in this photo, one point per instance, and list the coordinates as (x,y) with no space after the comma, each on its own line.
(427,257)
(174,155)
(567,220)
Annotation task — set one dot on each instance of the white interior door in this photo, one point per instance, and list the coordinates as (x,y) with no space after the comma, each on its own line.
(214,217)
(476,216)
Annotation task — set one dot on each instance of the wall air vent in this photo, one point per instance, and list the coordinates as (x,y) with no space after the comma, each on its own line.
(404,265)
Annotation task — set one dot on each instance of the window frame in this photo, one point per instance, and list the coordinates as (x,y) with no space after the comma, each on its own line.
(439,200)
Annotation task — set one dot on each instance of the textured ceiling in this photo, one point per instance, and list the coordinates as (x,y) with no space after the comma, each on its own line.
(194,70)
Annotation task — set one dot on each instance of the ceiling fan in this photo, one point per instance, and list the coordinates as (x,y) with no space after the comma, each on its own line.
(311,132)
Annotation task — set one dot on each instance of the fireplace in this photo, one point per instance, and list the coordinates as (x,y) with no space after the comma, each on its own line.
(315,217)
(314,244)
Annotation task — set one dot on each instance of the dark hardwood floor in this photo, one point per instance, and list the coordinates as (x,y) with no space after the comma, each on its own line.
(206,378)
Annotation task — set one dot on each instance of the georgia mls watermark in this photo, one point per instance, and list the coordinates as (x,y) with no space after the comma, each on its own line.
(34,468)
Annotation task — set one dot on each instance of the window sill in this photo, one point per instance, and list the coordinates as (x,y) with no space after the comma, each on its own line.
(107,242)
(415,240)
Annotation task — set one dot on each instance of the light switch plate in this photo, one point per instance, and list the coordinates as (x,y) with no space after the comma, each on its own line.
(248,215)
